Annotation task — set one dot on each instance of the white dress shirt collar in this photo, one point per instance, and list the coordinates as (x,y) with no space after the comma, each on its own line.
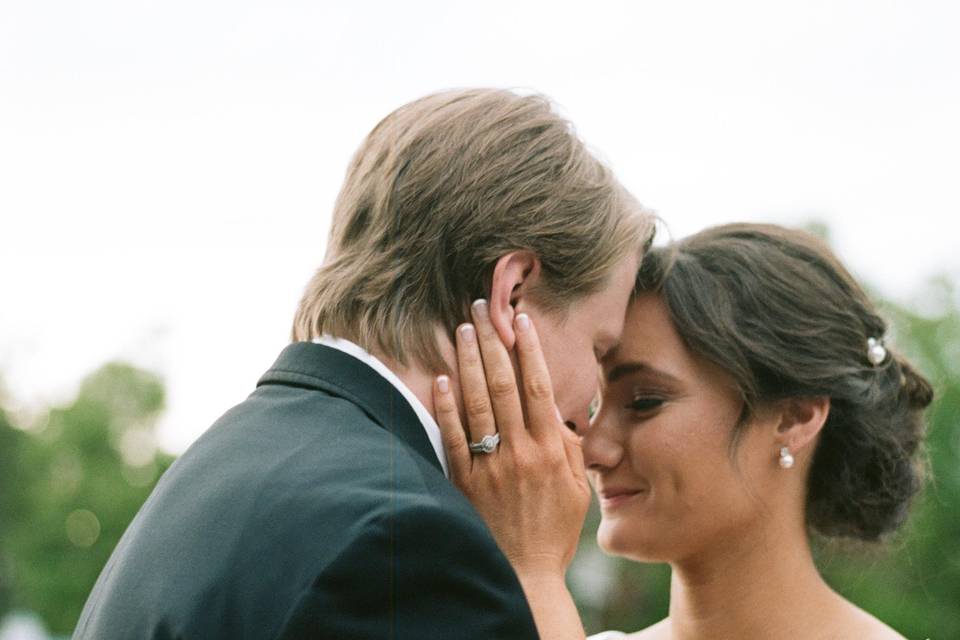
(429,424)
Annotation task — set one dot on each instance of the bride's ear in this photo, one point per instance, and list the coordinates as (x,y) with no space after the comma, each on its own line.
(801,421)
(513,276)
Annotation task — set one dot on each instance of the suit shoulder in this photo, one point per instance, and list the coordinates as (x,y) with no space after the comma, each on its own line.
(424,570)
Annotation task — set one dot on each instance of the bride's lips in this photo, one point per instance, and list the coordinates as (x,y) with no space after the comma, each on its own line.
(612,498)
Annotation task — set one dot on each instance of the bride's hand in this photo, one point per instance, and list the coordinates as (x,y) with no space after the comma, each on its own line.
(532,489)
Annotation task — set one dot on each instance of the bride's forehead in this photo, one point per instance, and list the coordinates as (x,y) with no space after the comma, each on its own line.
(648,327)
(650,337)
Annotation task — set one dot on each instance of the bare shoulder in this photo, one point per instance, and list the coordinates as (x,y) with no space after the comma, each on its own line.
(866,626)
(659,631)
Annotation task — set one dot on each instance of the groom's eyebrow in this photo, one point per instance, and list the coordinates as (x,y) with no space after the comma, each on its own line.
(627,368)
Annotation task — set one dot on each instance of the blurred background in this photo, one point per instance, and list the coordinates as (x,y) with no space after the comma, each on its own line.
(167,171)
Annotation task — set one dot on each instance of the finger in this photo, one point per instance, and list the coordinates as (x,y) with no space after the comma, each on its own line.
(473,385)
(544,418)
(451,430)
(501,377)
(573,448)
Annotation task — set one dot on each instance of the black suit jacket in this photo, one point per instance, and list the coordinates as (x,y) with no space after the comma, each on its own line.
(316,508)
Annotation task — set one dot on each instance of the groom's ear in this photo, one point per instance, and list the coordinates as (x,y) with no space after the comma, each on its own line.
(513,276)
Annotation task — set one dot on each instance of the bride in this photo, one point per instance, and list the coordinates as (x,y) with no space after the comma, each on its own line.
(751,400)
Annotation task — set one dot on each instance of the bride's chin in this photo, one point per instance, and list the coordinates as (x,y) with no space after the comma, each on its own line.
(621,539)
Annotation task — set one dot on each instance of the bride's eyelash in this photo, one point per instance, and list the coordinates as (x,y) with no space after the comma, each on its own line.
(642,404)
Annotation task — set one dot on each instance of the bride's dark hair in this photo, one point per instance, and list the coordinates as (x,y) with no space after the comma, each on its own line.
(776,309)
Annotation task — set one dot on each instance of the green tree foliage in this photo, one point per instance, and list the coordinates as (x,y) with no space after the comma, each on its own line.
(78,479)
(912,581)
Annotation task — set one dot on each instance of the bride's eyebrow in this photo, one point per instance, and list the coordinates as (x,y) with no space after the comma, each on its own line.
(627,368)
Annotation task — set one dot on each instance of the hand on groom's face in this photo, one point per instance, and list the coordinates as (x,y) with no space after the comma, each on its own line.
(573,343)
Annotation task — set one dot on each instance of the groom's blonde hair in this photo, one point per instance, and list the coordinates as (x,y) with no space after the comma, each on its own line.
(437,193)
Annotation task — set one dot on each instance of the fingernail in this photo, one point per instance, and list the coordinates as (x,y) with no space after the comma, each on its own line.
(480,308)
(523,322)
(468,333)
(443,383)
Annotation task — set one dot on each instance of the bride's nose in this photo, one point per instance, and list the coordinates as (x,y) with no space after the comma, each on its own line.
(602,448)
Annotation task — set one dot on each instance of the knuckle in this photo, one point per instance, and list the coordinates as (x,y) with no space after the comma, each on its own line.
(539,388)
(495,475)
(553,457)
(476,407)
(448,419)
(445,407)
(501,386)
(524,464)
(469,357)
(527,462)
(455,447)
(571,439)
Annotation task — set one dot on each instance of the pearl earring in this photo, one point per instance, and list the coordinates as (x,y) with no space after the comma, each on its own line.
(786,459)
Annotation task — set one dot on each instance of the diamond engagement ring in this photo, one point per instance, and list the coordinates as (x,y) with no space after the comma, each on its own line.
(486,445)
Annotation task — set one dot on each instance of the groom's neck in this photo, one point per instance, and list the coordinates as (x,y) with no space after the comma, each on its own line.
(418,379)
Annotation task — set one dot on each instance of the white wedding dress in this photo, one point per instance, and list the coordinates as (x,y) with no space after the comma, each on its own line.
(608,635)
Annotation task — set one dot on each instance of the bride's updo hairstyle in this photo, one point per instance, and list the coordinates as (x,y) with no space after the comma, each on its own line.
(777,311)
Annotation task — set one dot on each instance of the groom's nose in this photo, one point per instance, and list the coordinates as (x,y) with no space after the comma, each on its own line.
(577,422)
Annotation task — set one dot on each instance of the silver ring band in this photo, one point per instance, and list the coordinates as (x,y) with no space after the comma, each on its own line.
(487,444)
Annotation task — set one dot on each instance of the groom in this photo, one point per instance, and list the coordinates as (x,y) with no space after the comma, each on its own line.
(319,506)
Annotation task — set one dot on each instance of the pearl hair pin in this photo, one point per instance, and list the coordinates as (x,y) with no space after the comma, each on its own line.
(876,352)
(786,459)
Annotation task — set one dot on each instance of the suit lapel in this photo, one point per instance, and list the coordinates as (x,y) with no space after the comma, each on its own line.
(317,366)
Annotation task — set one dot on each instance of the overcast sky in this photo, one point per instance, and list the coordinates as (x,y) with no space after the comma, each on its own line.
(167,169)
